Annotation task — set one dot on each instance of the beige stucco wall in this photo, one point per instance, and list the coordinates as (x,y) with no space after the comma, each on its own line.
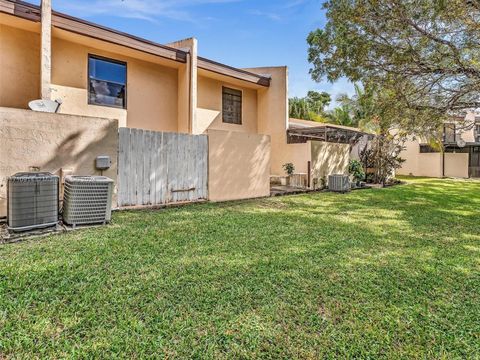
(299,155)
(468,134)
(456,165)
(419,164)
(19,67)
(51,142)
(187,85)
(273,115)
(209,110)
(430,164)
(410,155)
(329,158)
(152,89)
(239,165)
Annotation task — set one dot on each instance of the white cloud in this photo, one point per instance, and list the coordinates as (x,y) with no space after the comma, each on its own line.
(294,3)
(135,9)
(267,14)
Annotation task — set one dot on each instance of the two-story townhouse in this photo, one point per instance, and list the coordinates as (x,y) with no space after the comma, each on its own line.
(108,80)
(103,74)
(460,156)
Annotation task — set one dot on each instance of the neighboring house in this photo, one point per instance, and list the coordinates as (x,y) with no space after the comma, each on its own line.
(461,156)
(321,148)
(107,79)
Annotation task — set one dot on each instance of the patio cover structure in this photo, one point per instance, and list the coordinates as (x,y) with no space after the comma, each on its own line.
(299,133)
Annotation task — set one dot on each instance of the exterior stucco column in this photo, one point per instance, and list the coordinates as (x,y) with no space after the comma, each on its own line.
(187,103)
(193,85)
(46,50)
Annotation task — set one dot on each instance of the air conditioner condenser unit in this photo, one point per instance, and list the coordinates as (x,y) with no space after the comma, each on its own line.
(87,200)
(339,183)
(32,201)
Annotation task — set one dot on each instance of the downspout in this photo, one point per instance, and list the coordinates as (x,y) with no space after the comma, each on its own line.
(46,50)
(443,162)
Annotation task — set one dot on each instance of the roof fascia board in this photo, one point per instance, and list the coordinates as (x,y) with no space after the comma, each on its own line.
(209,65)
(85,28)
(82,27)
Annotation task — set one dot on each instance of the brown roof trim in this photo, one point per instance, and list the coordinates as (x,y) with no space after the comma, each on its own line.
(69,23)
(240,74)
(20,9)
(82,27)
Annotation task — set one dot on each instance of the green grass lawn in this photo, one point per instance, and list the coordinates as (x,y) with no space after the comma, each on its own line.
(377,273)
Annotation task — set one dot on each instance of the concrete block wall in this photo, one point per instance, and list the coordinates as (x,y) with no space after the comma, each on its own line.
(55,143)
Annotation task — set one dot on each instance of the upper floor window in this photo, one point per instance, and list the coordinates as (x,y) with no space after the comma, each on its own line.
(449,133)
(107,82)
(477,132)
(232,106)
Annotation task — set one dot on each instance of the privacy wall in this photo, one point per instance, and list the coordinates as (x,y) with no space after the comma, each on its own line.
(53,142)
(431,164)
(329,158)
(239,165)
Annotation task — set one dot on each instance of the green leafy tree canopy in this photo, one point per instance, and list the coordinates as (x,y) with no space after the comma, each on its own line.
(310,107)
(424,54)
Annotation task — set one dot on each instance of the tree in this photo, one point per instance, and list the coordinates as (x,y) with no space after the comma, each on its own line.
(318,101)
(372,110)
(383,156)
(310,107)
(355,110)
(424,53)
(298,108)
(342,115)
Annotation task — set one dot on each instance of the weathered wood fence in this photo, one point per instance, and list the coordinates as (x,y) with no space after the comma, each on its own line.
(156,168)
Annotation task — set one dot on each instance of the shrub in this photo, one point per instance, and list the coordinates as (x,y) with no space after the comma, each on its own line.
(355,169)
(289,168)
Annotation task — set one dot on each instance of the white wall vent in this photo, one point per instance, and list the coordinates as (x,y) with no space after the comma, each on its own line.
(339,183)
(87,200)
(32,201)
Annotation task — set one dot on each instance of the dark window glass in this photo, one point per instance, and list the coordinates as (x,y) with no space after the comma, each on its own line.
(424,149)
(449,135)
(232,106)
(107,81)
(477,132)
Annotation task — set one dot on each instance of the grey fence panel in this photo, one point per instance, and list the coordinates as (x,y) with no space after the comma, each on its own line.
(156,168)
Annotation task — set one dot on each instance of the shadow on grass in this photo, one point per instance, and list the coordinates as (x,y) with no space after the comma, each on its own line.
(387,272)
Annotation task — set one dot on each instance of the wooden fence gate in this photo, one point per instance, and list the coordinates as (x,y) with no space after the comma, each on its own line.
(156,168)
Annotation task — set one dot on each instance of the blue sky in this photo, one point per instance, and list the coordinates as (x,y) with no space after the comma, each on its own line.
(241,33)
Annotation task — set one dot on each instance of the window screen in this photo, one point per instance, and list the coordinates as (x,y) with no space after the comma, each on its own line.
(232,106)
(107,81)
